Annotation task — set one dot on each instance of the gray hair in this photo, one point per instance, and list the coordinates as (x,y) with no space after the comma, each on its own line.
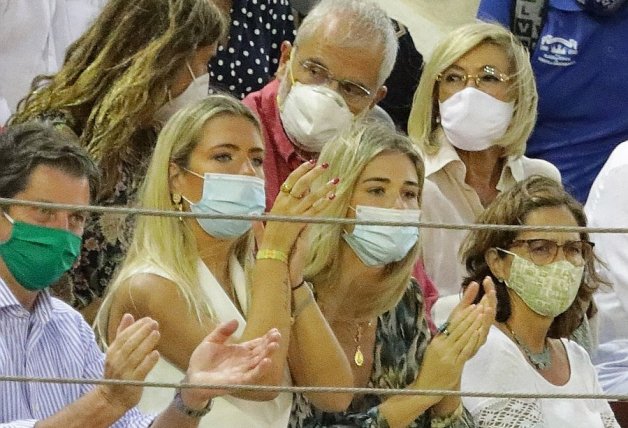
(366,23)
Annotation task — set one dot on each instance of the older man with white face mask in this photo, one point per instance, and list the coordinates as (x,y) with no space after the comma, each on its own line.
(343,52)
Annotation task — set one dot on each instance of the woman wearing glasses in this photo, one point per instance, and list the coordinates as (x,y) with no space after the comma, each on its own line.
(471,117)
(543,280)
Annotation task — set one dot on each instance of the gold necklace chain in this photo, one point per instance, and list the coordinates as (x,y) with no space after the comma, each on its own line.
(358,356)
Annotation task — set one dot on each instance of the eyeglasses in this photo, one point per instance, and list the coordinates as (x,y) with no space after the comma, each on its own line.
(544,251)
(490,79)
(319,75)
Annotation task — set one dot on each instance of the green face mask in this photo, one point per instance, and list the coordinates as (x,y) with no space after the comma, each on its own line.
(37,256)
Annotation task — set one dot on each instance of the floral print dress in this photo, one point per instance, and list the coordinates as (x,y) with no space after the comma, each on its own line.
(400,341)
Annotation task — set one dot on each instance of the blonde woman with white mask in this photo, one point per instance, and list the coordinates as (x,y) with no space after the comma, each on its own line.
(191,273)
(472,114)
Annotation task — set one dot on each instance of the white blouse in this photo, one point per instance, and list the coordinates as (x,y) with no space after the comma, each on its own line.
(499,366)
(448,199)
(227,411)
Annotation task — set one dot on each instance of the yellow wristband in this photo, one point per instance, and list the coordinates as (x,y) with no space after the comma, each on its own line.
(272,254)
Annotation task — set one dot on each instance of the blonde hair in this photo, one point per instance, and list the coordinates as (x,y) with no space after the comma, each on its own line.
(168,242)
(115,76)
(348,155)
(423,126)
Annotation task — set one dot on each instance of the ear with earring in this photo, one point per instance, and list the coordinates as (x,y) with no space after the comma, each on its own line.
(177,201)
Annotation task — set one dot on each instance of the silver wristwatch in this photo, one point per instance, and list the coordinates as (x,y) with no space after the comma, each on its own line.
(193,413)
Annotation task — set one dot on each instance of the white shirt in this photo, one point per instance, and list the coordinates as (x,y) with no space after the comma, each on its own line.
(607,206)
(227,411)
(499,366)
(448,199)
(34,35)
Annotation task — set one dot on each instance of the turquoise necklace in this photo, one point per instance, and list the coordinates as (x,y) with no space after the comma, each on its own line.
(541,360)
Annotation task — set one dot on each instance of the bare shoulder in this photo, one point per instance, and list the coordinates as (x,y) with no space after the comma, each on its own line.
(148,293)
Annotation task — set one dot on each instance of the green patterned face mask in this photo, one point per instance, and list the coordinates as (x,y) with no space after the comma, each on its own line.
(37,256)
(548,290)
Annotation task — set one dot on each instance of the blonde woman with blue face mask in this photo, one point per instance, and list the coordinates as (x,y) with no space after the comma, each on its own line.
(472,114)
(543,279)
(361,277)
(191,273)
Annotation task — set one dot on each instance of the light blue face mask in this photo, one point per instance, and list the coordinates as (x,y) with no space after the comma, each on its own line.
(229,194)
(381,245)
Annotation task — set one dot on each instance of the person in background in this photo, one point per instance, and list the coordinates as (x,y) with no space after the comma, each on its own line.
(607,206)
(137,64)
(544,281)
(191,274)
(404,77)
(250,57)
(34,36)
(580,49)
(471,117)
(343,52)
(361,276)
(43,337)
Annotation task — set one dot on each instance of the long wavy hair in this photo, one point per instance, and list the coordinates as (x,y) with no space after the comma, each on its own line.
(348,155)
(168,242)
(116,75)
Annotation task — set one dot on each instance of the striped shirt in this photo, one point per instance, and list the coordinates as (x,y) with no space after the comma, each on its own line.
(51,341)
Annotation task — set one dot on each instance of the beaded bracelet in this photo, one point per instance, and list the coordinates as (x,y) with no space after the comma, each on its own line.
(448,420)
(273,255)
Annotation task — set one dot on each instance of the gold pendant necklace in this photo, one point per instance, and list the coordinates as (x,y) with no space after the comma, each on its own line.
(358,357)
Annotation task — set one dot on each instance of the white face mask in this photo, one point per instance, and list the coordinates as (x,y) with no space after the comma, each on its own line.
(312,115)
(473,120)
(381,245)
(197,90)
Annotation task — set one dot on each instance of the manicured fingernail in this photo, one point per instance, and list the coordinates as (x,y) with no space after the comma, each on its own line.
(335,181)
(325,165)
(312,161)
(332,196)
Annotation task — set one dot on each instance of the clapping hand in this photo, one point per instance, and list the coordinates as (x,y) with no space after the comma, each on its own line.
(459,339)
(131,356)
(216,362)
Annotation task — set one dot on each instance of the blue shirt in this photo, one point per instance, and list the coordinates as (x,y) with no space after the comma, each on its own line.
(51,341)
(580,64)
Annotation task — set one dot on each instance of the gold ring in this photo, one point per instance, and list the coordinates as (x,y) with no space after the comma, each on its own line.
(296,196)
(285,188)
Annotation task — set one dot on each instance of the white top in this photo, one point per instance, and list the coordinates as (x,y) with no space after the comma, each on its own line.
(34,35)
(499,366)
(448,199)
(607,206)
(227,411)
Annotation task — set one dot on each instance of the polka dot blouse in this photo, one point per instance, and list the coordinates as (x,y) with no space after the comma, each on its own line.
(251,57)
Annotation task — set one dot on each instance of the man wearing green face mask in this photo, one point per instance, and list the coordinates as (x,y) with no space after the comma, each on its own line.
(42,337)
